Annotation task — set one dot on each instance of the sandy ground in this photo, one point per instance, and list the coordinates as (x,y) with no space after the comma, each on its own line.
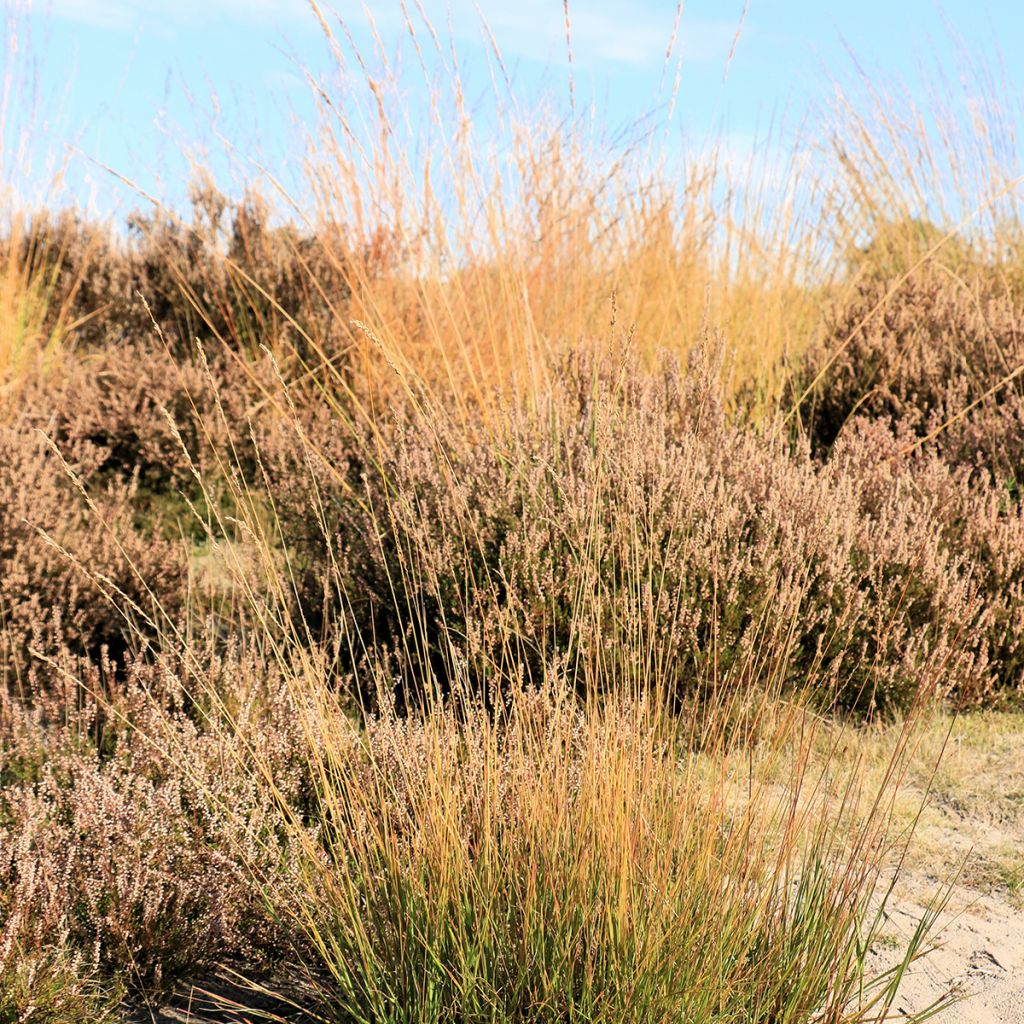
(979,961)
(972,829)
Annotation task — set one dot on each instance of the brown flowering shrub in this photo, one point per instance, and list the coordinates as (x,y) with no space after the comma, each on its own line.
(73,569)
(934,355)
(972,515)
(141,412)
(224,274)
(626,506)
(125,406)
(132,827)
(917,392)
(43,978)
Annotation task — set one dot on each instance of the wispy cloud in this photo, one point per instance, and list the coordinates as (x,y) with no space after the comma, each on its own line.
(603,31)
(617,31)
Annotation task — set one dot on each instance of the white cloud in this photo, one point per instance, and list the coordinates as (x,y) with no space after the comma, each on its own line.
(627,34)
(616,31)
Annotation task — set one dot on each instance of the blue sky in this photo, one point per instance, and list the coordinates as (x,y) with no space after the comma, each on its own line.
(126,83)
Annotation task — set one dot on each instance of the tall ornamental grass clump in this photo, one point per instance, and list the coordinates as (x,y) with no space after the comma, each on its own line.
(601,861)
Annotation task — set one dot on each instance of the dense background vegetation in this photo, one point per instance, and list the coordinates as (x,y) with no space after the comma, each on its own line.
(323,538)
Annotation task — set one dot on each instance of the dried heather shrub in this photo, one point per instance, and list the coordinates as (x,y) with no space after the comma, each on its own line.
(924,353)
(626,515)
(918,402)
(973,516)
(70,573)
(43,978)
(224,274)
(122,404)
(134,831)
(142,412)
